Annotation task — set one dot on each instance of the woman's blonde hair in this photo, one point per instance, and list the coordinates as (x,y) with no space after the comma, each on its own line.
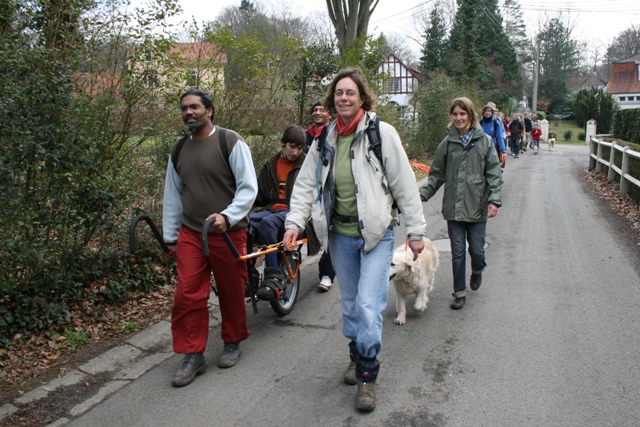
(465,105)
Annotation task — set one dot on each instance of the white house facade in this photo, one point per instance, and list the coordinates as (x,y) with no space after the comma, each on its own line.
(399,82)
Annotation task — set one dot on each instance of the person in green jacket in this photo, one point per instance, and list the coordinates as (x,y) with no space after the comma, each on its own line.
(467,164)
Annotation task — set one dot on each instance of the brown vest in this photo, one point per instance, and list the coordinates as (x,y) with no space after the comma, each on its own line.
(209,184)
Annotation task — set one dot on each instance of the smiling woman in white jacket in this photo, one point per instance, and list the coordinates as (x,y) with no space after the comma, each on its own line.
(352,196)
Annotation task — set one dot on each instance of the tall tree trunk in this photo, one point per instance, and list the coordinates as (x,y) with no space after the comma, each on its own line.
(350,18)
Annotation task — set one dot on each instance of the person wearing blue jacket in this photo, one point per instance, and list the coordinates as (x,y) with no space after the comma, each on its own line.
(493,127)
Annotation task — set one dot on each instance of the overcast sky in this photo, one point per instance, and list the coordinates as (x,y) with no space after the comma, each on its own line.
(595,21)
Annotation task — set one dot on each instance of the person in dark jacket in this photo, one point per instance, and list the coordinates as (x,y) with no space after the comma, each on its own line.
(467,164)
(321,119)
(275,184)
(528,125)
(516,128)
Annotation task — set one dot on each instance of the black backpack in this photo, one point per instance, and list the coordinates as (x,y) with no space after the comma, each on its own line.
(223,147)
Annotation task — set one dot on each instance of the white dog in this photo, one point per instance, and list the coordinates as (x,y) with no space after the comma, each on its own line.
(552,143)
(413,277)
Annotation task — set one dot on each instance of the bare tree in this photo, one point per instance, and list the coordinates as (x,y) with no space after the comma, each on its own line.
(350,18)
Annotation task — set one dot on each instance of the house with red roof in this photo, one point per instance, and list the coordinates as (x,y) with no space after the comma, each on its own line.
(624,82)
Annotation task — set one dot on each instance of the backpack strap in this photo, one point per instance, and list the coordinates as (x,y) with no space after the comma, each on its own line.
(375,141)
(222,139)
(176,152)
(375,145)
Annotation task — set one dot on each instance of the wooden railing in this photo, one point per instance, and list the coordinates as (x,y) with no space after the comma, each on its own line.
(596,161)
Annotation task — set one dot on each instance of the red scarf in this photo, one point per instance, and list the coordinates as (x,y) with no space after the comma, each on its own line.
(315,130)
(351,127)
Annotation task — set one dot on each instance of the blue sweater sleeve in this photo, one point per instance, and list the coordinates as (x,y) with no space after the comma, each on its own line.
(500,135)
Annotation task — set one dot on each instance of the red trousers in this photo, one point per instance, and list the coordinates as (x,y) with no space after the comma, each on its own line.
(190,315)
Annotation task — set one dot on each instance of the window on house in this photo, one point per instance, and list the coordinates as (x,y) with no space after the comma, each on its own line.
(622,98)
(394,85)
(150,79)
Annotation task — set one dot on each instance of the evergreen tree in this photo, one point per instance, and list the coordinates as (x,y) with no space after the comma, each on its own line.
(594,104)
(516,31)
(435,46)
(464,41)
(559,60)
(485,56)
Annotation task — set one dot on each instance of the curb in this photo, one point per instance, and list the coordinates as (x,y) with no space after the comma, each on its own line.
(125,363)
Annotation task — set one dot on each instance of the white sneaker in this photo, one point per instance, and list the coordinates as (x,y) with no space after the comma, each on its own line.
(325,283)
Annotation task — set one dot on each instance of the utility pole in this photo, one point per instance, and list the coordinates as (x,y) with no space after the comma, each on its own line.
(536,70)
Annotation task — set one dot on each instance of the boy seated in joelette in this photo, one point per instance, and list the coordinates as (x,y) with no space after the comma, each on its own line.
(275,185)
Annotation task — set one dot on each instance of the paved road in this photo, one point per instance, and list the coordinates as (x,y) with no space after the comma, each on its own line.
(551,338)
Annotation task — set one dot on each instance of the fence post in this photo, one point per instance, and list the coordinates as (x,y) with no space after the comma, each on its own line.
(611,175)
(591,130)
(624,184)
(592,161)
(599,156)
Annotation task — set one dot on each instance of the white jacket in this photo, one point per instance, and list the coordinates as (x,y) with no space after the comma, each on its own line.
(314,190)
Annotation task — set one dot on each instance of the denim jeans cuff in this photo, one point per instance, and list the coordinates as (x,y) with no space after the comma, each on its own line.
(478,271)
(460,294)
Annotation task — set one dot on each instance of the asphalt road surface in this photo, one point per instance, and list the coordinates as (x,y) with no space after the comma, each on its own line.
(550,339)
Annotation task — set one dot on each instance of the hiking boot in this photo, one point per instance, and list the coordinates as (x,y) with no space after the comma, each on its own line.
(325,284)
(271,285)
(476,281)
(350,374)
(366,396)
(192,365)
(229,356)
(458,303)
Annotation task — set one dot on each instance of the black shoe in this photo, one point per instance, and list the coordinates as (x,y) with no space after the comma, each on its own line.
(192,365)
(458,303)
(229,356)
(476,281)
(271,285)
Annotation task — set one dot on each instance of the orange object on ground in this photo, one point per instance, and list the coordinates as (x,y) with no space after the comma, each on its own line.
(420,166)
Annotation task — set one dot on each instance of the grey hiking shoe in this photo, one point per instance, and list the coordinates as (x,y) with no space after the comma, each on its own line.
(350,374)
(229,356)
(192,365)
(458,303)
(366,396)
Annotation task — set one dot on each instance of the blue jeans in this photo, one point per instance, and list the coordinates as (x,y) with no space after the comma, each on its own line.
(364,285)
(474,233)
(268,226)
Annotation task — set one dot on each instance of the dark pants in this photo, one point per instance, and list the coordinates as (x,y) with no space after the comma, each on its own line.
(268,226)
(474,233)
(325,266)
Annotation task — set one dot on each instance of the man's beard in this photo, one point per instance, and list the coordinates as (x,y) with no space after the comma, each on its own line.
(193,127)
(196,126)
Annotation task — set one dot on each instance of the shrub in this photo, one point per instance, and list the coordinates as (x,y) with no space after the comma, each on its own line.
(541,115)
(582,136)
(568,134)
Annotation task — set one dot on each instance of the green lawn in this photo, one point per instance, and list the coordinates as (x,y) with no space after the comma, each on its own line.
(560,127)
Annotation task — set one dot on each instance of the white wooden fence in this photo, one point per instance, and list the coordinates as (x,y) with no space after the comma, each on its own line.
(596,160)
